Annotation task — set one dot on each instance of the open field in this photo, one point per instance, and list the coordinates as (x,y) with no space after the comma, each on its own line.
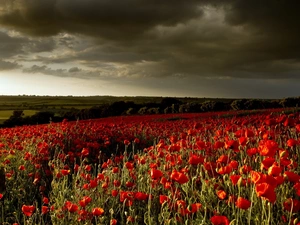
(61,104)
(5,114)
(37,102)
(209,168)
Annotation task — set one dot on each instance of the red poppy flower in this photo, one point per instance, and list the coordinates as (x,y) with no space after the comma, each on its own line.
(71,207)
(292,176)
(232,144)
(22,167)
(28,210)
(126,142)
(195,207)
(245,169)
(195,159)
(45,209)
(274,170)
(141,196)
(155,174)
(84,201)
(97,211)
(225,170)
(234,179)
(292,205)
(297,188)
(268,148)
(257,177)
(114,193)
(218,144)
(219,220)
(251,151)
(46,200)
(126,196)
(234,164)
(242,203)
(267,162)
(243,141)
(65,172)
(267,191)
(163,199)
(85,152)
(117,183)
(223,159)
(292,142)
(113,222)
(182,178)
(221,194)
(129,165)
(129,184)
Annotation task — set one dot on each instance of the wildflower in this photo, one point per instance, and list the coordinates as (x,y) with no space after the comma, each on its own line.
(129,165)
(292,176)
(71,207)
(141,196)
(97,211)
(292,205)
(113,222)
(126,196)
(155,174)
(84,201)
(242,203)
(195,160)
(267,191)
(221,194)
(219,220)
(45,209)
(163,199)
(28,210)
(22,167)
(126,142)
(225,170)
(195,207)
(274,170)
(297,188)
(268,148)
(46,200)
(234,179)
(65,172)
(114,193)
(85,152)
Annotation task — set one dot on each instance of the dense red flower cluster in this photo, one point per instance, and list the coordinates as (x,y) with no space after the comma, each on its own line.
(190,166)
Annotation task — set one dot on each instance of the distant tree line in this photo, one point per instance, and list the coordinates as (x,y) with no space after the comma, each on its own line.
(167,105)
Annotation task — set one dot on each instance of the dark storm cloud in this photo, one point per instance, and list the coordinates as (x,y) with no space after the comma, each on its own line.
(38,45)
(46,70)
(72,72)
(153,38)
(17,45)
(5,65)
(116,19)
(10,46)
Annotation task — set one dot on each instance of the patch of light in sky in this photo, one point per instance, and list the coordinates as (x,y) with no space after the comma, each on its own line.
(13,83)
(18,83)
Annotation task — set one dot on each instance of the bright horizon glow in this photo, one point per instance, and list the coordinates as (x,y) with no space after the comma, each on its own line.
(13,83)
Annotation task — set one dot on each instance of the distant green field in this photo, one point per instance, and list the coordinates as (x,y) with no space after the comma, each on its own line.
(38,101)
(5,114)
(32,104)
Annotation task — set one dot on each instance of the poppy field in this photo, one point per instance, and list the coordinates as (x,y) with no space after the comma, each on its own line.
(209,168)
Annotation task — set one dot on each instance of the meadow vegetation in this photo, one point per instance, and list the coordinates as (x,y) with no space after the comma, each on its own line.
(33,110)
(201,168)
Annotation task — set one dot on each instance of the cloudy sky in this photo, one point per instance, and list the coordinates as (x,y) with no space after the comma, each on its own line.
(188,48)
